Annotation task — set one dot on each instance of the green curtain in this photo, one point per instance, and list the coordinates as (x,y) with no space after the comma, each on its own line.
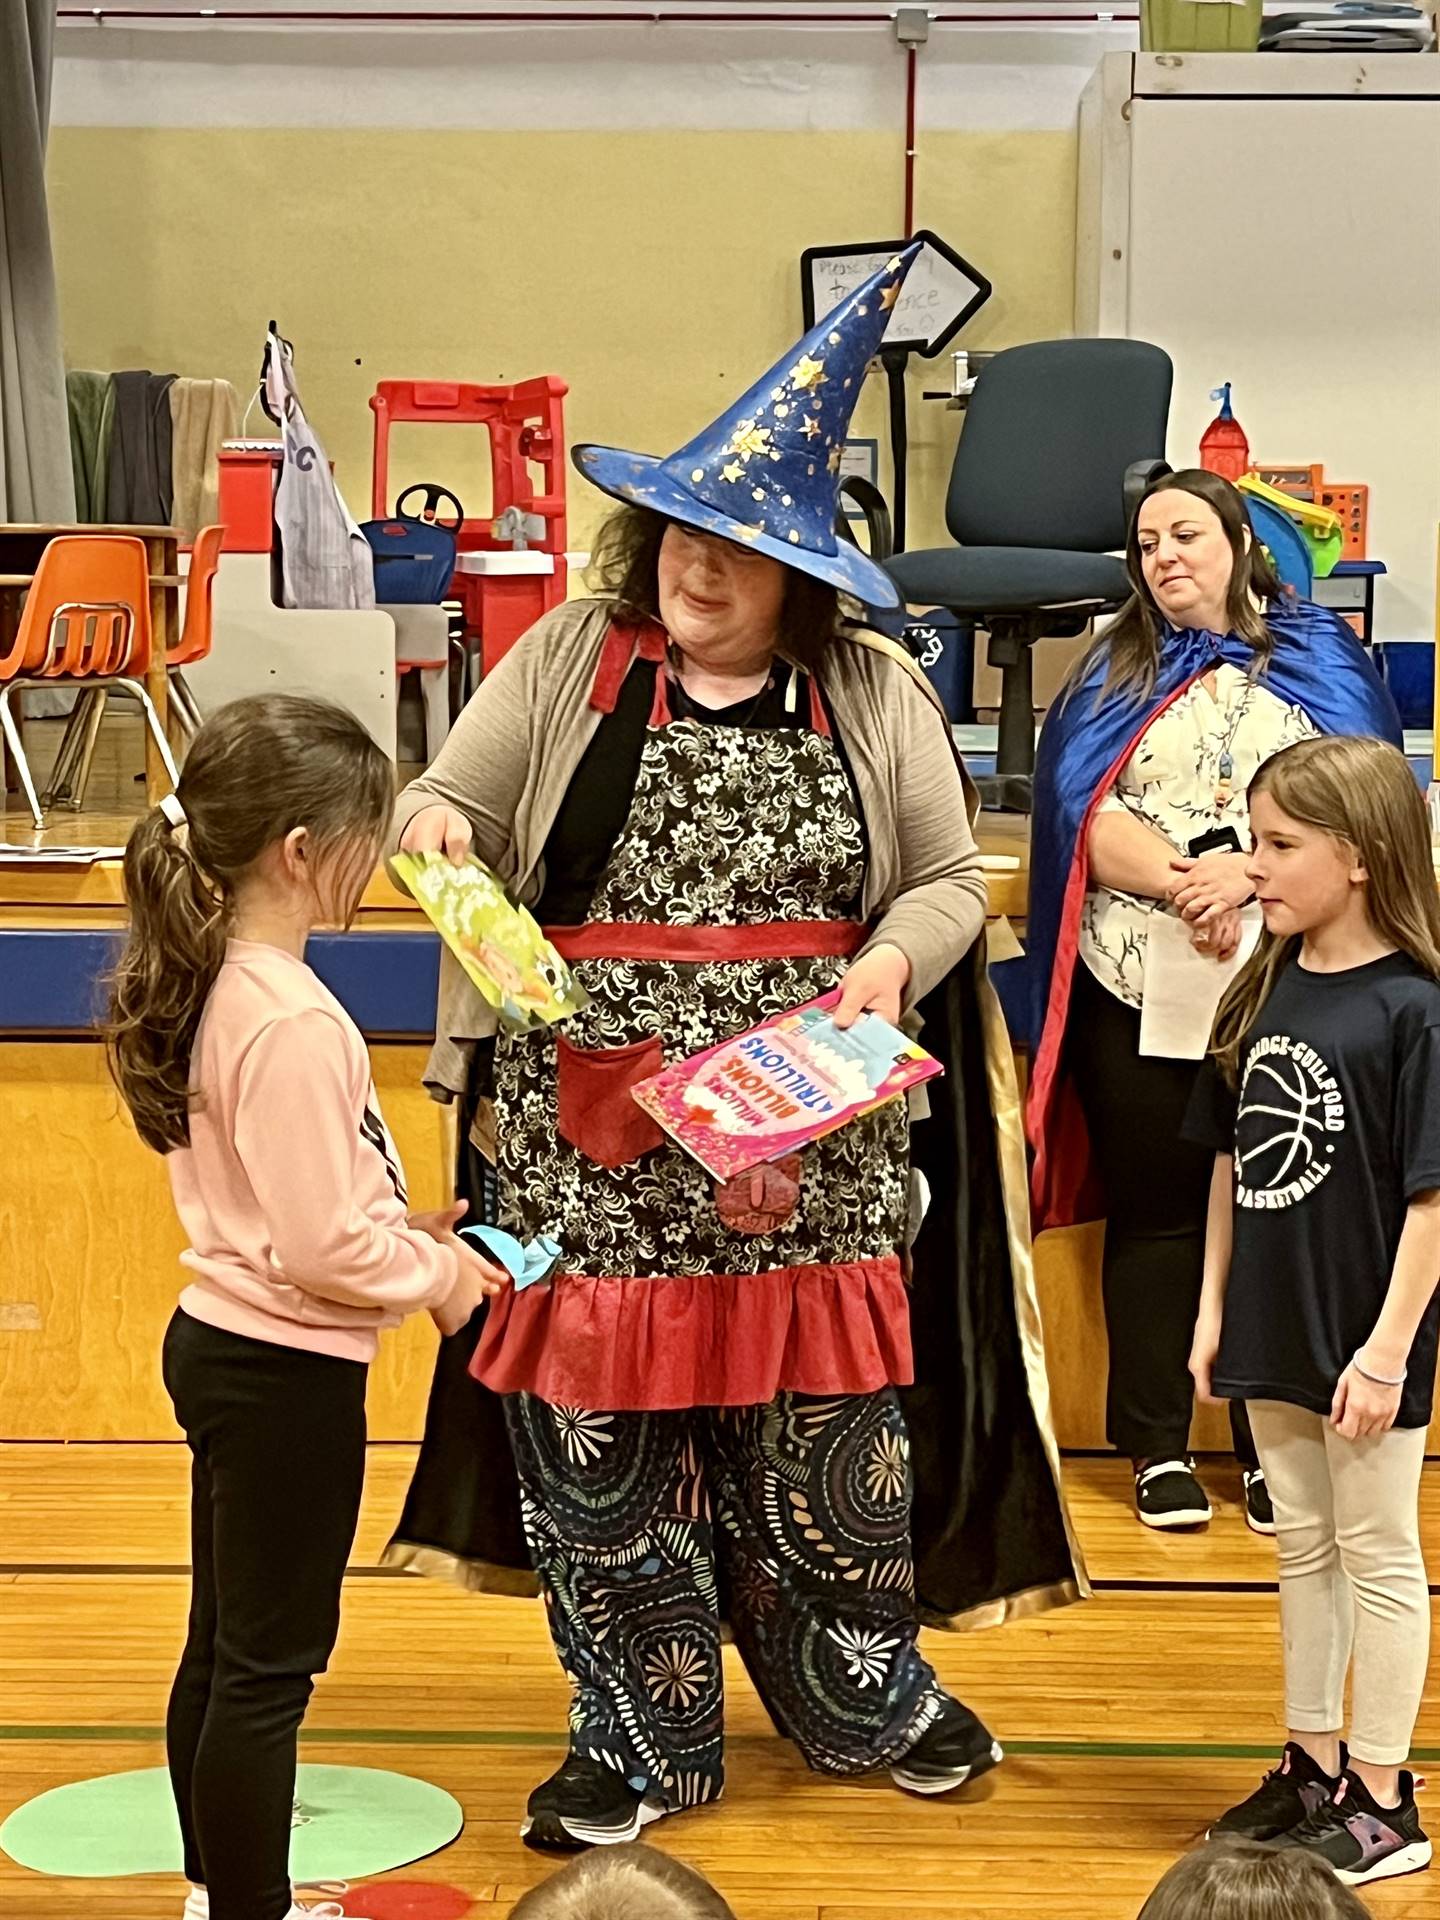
(36,477)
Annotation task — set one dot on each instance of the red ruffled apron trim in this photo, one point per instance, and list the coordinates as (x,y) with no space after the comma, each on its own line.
(766,940)
(621,1345)
(1064,1186)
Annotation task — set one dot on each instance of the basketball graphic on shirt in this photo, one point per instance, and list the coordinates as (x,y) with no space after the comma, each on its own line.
(1288,1123)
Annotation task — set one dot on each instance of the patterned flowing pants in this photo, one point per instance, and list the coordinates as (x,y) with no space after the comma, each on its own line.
(792,1518)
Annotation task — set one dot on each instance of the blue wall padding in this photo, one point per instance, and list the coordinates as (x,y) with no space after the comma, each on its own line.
(52,981)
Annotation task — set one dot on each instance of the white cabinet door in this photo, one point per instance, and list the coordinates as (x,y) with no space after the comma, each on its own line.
(1292,246)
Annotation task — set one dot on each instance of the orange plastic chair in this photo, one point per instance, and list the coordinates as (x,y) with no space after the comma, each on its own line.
(199,629)
(85,623)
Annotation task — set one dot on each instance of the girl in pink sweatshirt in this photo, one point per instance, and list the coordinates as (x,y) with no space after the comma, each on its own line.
(240,1066)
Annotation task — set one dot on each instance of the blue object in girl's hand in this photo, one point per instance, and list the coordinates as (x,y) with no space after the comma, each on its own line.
(528,1265)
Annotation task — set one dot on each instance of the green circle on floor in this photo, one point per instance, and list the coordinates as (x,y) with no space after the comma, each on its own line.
(353,1822)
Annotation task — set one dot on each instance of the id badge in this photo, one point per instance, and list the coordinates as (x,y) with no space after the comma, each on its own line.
(1217,840)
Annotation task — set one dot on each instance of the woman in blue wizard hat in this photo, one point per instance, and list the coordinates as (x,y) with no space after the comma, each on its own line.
(1141,835)
(802,1400)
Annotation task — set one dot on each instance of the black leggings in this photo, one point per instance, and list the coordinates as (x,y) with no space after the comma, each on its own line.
(278,1439)
(1157,1189)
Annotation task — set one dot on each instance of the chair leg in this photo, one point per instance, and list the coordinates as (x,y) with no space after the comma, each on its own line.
(87,751)
(79,713)
(186,706)
(13,741)
(152,720)
(78,740)
(435,692)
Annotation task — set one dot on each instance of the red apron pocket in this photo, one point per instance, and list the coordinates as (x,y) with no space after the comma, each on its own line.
(594,1111)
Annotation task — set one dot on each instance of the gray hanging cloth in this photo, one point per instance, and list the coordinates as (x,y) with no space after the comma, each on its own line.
(140,492)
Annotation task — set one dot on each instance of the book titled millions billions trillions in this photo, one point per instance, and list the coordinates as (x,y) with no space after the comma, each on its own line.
(785,1083)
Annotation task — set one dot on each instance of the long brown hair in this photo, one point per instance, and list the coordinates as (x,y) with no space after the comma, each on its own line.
(624,1883)
(1245,1880)
(256,770)
(1132,641)
(1362,792)
(625,568)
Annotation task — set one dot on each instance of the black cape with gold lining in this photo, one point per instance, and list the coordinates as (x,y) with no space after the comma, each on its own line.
(992,1539)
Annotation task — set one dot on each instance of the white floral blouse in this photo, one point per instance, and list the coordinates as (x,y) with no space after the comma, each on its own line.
(1170,782)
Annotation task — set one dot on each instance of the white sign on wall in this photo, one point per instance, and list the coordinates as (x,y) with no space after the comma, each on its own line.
(941,292)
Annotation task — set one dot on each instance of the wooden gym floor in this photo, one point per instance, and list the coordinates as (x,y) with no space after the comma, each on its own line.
(1129,1721)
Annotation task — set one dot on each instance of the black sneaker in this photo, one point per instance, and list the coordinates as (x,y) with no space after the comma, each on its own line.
(1259,1508)
(1284,1798)
(586,1804)
(1167,1494)
(954,1749)
(1361,1840)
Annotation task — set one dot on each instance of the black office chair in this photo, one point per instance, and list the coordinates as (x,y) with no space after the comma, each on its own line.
(1060,440)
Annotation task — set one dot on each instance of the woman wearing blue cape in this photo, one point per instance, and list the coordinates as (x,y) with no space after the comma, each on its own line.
(801,1401)
(1137,883)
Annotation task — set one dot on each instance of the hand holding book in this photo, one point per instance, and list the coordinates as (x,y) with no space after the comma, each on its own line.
(771,1091)
(875,983)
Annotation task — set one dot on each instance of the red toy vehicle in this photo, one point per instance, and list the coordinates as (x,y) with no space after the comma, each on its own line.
(510,567)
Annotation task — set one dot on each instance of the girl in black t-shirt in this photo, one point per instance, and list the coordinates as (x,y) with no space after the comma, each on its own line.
(1321,1099)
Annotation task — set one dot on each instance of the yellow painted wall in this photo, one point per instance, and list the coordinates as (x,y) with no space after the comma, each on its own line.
(657,272)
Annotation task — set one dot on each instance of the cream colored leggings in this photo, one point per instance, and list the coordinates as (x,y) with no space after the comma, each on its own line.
(1347,1525)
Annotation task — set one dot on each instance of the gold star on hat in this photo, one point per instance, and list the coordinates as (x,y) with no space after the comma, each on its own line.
(750,439)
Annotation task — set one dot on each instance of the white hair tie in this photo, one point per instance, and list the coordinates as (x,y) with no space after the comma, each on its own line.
(173,811)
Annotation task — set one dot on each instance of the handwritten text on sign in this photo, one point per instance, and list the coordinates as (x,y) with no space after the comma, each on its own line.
(940,292)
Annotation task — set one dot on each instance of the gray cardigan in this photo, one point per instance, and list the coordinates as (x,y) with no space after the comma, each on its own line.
(513,752)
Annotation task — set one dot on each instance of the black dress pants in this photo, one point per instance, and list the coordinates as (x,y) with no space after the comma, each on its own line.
(278,1443)
(1157,1188)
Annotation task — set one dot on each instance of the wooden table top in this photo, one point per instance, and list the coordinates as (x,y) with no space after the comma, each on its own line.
(13,580)
(53,529)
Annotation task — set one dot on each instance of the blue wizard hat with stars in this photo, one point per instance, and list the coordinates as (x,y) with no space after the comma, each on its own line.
(766,474)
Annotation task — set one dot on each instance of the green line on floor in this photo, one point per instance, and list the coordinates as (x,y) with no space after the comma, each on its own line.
(523,1737)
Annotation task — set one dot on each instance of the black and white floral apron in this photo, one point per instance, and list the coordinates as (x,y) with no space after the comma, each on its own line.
(732,895)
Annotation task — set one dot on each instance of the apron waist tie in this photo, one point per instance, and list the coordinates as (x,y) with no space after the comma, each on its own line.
(768,940)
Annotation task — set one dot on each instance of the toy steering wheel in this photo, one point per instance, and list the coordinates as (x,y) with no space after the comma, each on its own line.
(433,496)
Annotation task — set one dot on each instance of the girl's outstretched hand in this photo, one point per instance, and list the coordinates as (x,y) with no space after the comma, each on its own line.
(1362,1407)
(441,1224)
(480,1279)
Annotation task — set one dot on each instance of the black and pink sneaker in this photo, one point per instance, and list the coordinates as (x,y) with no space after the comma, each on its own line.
(1285,1797)
(1361,1840)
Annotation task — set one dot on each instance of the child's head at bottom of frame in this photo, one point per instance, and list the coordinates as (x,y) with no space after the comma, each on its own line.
(1245,1880)
(624,1883)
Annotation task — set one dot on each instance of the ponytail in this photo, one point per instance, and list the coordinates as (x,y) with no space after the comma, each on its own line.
(256,770)
(178,928)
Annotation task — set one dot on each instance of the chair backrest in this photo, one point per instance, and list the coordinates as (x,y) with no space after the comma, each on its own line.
(1048,434)
(198,630)
(87,612)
